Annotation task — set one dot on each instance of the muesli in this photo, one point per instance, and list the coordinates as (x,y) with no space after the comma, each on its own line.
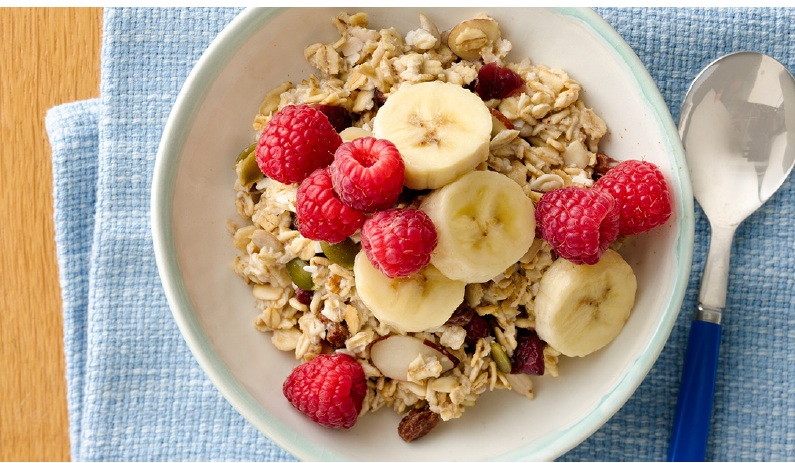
(502,281)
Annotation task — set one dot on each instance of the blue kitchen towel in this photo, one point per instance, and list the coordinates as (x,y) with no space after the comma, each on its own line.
(135,392)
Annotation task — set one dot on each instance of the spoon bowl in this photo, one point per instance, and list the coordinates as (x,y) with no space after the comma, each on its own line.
(734,126)
(737,126)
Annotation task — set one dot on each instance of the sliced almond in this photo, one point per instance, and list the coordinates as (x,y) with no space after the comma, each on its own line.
(392,355)
(468,38)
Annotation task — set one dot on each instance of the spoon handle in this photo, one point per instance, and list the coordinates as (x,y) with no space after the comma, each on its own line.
(694,408)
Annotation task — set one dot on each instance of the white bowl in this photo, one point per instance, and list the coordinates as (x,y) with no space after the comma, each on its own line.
(192,198)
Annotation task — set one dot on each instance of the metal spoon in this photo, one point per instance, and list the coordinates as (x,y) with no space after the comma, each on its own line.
(738,128)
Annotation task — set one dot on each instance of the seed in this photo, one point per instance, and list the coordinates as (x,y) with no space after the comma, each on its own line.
(246,151)
(300,277)
(500,357)
(246,166)
(342,253)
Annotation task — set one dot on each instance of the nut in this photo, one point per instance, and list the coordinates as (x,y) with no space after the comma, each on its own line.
(426,37)
(270,104)
(242,237)
(499,122)
(264,239)
(577,155)
(428,25)
(468,38)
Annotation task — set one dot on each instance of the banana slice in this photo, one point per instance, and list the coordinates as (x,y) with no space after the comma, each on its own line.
(581,308)
(419,302)
(352,133)
(442,130)
(484,223)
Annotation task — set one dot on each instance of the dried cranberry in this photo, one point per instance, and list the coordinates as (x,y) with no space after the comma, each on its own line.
(495,81)
(379,98)
(528,357)
(478,327)
(339,117)
(304,296)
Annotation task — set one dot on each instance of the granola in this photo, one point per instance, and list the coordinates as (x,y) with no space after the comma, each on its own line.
(545,138)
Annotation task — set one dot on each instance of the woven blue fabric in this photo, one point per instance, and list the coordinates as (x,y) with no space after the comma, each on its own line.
(72,129)
(137,394)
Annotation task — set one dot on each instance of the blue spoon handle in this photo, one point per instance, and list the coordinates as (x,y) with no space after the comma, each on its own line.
(694,408)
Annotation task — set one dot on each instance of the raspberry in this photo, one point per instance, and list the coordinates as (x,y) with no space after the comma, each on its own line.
(367,174)
(399,242)
(641,195)
(579,223)
(329,389)
(296,141)
(320,214)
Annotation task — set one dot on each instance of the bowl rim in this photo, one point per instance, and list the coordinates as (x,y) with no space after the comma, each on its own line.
(175,133)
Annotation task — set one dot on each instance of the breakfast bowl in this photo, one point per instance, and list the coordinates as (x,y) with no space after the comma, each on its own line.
(196,216)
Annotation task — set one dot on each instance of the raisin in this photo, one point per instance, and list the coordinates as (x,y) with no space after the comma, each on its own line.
(462,315)
(379,98)
(417,423)
(603,165)
(336,334)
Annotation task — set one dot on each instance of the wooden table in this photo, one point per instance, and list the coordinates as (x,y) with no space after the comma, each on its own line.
(49,56)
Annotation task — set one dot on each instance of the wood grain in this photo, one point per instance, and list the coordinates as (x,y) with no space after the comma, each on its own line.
(48,56)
